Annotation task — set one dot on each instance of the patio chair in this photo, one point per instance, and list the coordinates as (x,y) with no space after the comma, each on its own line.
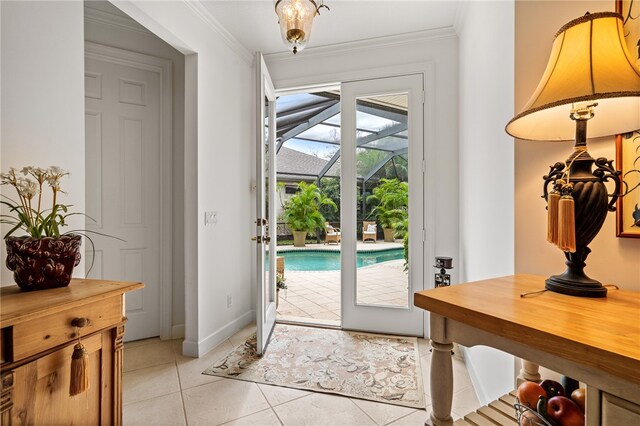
(332,234)
(369,231)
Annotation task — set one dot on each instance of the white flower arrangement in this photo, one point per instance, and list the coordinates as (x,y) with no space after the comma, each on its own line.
(27,213)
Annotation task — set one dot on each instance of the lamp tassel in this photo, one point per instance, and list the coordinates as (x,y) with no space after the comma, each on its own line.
(552,217)
(567,221)
(79,370)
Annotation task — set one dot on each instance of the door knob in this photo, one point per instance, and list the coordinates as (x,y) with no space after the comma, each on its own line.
(257,239)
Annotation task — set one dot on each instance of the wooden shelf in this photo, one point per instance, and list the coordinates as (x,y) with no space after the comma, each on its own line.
(497,413)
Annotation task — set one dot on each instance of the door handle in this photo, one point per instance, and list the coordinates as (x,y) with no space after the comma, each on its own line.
(261,239)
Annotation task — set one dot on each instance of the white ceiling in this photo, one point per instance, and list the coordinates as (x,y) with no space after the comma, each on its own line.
(255,24)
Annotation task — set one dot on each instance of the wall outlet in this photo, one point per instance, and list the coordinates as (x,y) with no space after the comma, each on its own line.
(210,218)
(229,301)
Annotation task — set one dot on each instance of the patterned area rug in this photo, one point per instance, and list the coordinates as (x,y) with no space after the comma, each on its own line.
(359,365)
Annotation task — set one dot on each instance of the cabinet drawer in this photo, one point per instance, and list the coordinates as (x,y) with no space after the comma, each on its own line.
(616,411)
(37,335)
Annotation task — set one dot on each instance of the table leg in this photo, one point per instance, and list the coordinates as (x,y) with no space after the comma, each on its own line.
(441,373)
(528,372)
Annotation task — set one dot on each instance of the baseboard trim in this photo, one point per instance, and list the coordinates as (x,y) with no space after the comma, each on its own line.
(177,331)
(198,349)
(473,375)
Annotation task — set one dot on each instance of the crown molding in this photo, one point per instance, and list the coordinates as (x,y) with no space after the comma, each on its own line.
(98,16)
(203,13)
(372,43)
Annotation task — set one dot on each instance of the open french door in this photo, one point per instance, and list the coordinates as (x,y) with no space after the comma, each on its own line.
(265,195)
(401,101)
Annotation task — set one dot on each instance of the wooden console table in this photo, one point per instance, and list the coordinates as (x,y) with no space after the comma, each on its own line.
(595,341)
(36,343)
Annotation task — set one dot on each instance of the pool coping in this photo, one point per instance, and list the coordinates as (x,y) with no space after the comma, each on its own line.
(337,248)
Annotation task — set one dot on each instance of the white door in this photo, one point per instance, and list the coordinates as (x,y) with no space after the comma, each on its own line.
(381,300)
(265,202)
(123,183)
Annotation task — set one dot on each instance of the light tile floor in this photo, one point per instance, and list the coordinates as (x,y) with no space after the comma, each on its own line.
(161,387)
(314,296)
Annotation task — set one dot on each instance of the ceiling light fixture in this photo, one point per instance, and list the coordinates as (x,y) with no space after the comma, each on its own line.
(295,18)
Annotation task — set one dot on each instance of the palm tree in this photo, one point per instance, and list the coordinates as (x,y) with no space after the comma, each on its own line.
(302,211)
(392,198)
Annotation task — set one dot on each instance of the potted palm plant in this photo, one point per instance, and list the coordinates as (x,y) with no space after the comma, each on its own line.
(45,256)
(392,198)
(302,212)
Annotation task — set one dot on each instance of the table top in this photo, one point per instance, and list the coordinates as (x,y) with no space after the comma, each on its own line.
(17,306)
(603,333)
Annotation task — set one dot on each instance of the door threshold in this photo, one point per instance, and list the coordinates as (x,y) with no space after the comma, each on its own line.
(309,324)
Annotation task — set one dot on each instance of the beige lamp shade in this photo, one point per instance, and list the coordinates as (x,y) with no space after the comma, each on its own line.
(589,62)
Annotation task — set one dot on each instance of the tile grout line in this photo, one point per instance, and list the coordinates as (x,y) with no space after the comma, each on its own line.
(406,415)
(249,415)
(148,366)
(365,413)
(184,408)
(149,399)
(269,402)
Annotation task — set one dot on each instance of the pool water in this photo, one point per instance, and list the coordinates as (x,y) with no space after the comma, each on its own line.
(311,260)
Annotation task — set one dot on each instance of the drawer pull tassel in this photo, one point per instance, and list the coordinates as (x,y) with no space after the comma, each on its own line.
(79,362)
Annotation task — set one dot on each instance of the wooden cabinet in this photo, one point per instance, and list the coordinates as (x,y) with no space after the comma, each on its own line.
(36,342)
(617,411)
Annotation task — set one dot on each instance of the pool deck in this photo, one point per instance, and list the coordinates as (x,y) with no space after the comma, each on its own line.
(314,296)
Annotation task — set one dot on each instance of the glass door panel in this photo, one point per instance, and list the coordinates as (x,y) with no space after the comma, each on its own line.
(382,277)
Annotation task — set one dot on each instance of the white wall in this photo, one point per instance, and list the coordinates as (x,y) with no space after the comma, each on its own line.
(43,117)
(107,25)
(434,53)
(486,53)
(612,260)
(218,169)
(43,96)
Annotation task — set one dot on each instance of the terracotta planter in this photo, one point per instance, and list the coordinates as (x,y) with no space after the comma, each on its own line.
(44,263)
(389,236)
(298,238)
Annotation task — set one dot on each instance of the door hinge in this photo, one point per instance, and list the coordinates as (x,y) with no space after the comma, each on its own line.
(424,97)
(424,235)
(424,166)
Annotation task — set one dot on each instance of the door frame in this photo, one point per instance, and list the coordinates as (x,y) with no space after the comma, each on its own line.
(356,316)
(428,70)
(163,67)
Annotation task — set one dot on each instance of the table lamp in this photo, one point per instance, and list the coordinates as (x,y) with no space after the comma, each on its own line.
(590,78)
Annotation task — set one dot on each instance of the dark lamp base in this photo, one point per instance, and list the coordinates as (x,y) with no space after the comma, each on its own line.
(581,286)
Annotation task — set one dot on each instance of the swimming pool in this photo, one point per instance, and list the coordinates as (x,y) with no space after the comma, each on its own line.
(316,260)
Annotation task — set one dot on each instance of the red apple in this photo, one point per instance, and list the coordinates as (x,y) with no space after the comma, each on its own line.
(565,411)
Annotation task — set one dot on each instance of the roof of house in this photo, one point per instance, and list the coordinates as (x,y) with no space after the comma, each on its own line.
(294,164)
